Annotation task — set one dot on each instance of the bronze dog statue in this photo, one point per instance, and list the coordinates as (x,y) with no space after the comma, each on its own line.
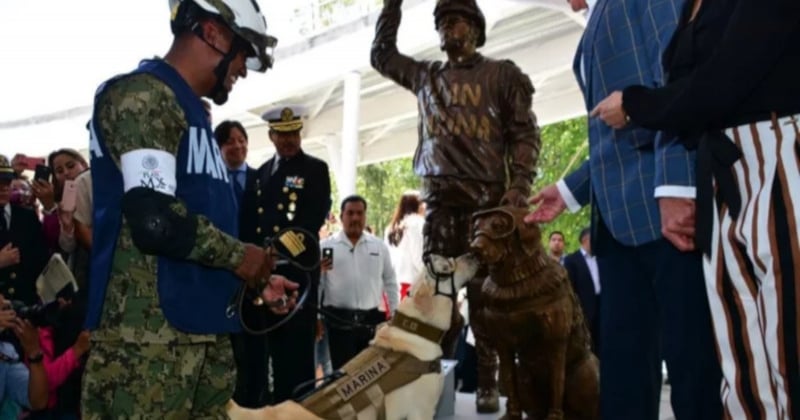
(546,364)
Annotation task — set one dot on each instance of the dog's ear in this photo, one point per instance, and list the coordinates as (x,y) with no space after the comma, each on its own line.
(422,297)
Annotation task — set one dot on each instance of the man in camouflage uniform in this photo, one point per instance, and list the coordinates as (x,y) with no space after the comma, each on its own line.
(478,141)
(165,263)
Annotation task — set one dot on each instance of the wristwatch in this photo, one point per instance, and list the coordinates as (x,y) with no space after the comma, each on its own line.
(36,358)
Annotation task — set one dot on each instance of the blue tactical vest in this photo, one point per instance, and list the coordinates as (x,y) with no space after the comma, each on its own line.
(194,298)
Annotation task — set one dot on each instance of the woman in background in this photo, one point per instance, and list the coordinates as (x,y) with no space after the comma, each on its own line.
(404,237)
(65,164)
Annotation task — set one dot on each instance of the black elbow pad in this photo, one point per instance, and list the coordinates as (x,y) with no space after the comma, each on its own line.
(156,228)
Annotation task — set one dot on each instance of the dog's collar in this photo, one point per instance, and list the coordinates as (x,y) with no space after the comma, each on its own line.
(415,326)
(519,271)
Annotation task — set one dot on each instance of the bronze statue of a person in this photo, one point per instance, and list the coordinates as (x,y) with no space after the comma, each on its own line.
(478,141)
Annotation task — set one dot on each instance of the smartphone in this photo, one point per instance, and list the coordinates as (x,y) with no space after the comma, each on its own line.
(32,162)
(327,253)
(68,195)
(42,173)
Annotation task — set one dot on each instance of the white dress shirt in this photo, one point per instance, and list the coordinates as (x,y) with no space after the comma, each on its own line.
(276,162)
(7,215)
(591,261)
(360,274)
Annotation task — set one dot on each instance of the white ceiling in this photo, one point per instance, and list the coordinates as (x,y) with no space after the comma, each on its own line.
(540,36)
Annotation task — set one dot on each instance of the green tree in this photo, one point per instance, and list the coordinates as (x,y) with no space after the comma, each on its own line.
(382,184)
(564,148)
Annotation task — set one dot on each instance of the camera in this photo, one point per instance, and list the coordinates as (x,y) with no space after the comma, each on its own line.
(39,315)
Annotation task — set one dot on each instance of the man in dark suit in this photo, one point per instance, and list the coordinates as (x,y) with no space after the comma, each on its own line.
(581,266)
(232,140)
(249,351)
(655,304)
(23,253)
(292,189)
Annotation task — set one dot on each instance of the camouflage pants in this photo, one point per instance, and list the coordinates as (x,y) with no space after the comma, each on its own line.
(158,381)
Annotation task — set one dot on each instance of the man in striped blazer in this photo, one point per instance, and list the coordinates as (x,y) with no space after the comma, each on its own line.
(637,181)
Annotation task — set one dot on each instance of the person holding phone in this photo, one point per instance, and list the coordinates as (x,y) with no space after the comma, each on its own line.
(22,250)
(356,271)
(21,163)
(48,186)
(25,386)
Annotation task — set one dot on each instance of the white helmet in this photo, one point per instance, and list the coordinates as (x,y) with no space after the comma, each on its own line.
(243,17)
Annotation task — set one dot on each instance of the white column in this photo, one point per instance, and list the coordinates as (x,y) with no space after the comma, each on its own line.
(334,145)
(350,141)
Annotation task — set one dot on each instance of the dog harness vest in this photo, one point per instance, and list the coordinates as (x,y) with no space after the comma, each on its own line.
(372,375)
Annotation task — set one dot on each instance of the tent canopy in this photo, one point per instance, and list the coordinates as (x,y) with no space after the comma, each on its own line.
(540,36)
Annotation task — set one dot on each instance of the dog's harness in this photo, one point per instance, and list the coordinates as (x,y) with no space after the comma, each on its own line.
(373,374)
(438,277)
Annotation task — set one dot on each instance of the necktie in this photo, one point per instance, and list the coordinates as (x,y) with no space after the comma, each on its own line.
(3,227)
(237,187)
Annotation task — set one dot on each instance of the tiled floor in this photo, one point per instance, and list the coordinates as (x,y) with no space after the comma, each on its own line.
(465,408)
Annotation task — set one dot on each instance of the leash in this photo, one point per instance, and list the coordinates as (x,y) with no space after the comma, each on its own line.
(293,246)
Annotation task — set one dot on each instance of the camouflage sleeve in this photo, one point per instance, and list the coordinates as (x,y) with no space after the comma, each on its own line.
(385,57)
(523,141)
(141,112)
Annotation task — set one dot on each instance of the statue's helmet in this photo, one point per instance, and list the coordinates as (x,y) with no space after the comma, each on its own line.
(467,8)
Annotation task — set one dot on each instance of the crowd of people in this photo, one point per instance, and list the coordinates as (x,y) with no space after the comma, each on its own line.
(34,227)
(692,179)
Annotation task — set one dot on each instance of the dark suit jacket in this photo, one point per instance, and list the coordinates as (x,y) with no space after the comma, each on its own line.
(582,283)
(251,176)
(18,282)
(297,195)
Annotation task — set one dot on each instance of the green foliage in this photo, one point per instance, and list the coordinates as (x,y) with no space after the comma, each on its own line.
(382,185)
(564,148)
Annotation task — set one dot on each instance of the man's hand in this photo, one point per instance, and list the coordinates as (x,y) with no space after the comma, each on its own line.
(549,205)
(9,255)
(514,197)
(326,264)
(28,336)
(81,345)
(256,265)
(43,190)
(610,110)
(677,221)
(7,315)
(280,294)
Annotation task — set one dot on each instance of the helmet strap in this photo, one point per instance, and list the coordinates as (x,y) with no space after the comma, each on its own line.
(218,93)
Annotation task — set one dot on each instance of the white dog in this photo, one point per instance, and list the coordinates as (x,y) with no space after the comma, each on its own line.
(428,305)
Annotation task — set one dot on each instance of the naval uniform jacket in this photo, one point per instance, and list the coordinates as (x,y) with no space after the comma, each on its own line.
(298,194)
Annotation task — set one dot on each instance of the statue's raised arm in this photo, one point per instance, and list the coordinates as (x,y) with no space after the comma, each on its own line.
(385,57)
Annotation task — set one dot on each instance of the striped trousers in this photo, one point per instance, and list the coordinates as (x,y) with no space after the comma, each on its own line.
(753,278)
